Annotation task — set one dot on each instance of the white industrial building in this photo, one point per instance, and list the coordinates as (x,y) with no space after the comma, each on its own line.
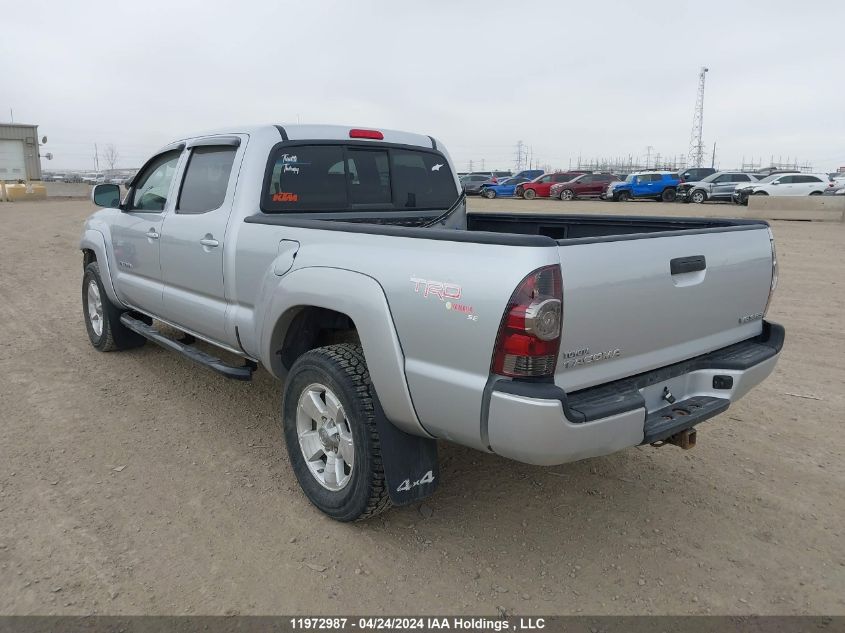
(19,159)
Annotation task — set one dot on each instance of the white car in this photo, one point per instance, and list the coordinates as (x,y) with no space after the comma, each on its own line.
(787,185)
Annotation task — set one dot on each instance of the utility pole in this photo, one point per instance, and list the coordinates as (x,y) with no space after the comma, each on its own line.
(696,145)
(482,164)
(713,158)
(96,159)
(648,155)
(470,165)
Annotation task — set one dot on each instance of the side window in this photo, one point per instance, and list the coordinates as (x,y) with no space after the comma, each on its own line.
(725,178)
(308,177)
(150,192)
(812,179)
(586,179)
(741,178)
(545,179)
(786,180)
(206,179)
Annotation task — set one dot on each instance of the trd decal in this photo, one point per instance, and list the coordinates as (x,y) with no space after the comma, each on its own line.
(448,293)
(285,196)
(445,291)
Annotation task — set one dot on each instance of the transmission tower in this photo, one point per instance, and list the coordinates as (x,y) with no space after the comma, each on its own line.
(520,157)
(696,144)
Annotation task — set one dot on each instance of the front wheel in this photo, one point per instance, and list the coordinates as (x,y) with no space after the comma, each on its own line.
(622,196)
(567,194)
(328,415)
(102,317)
(698,197)
(529,194)
(489,194)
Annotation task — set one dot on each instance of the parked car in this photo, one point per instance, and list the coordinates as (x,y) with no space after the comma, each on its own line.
(583,186)
(716,186)
(655,185)
(504,188)
(793,184)
(530,174)
(492,175)
(837,189)
(392,318)
(73,178)
(541,186)
(695,174)
(472,183)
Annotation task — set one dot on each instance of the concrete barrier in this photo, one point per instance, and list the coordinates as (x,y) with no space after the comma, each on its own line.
(819,208)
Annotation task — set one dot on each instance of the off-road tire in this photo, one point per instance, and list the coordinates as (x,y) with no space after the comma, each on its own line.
(343,369)
(115,336)
(529,194)
(622,196)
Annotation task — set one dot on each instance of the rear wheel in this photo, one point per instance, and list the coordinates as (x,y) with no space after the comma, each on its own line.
(328,415)
(815,193)
(698,196)
(567,194)
(529,194)
(760,193)
(102,317)
(489,194)
(668,195)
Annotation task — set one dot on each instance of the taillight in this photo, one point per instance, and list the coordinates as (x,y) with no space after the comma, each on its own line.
(774,284)
(528,342)
(373,134)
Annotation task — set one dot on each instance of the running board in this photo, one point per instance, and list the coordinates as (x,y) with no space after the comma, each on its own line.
(243,372)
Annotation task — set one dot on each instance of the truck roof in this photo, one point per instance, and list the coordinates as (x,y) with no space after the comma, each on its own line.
(308,131)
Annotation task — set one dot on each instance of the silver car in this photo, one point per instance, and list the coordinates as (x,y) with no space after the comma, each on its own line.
(715,187)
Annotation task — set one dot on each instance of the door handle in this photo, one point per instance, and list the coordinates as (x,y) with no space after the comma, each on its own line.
(210,242)
(691,264)
(153,234)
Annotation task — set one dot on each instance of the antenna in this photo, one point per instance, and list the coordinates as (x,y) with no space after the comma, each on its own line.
(696,145)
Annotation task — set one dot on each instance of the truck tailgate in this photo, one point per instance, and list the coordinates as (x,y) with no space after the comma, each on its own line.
(642,302)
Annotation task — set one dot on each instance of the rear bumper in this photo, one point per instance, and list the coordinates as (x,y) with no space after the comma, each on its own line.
(539,423)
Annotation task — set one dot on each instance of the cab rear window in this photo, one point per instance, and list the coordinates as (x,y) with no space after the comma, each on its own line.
(335,177)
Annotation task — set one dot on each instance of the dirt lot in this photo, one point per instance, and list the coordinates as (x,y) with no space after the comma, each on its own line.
(138,483)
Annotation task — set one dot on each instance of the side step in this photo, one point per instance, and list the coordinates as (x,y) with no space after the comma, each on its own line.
(243,372)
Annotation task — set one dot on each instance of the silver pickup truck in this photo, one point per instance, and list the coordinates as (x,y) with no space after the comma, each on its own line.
(343,261)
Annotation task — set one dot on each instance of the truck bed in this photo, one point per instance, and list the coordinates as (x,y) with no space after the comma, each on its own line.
(585,228)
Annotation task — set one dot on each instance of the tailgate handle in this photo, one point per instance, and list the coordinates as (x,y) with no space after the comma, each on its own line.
(687,264)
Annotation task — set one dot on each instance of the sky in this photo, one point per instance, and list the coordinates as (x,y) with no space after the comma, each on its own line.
(588,79)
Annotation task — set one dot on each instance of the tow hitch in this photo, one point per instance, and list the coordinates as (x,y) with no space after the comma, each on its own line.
(684,439)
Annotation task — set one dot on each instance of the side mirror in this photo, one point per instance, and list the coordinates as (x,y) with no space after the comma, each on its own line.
(775,182)
(106,195)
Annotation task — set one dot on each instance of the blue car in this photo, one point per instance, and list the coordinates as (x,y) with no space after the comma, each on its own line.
(655,185)
(504,188)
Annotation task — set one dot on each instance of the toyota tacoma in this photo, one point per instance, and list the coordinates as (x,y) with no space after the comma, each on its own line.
(342,261)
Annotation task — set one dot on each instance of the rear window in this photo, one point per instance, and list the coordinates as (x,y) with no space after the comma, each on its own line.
(350,177)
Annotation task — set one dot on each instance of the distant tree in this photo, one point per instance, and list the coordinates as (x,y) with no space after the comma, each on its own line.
(111,156)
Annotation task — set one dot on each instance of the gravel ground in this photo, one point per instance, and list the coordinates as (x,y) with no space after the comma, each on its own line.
(137,483)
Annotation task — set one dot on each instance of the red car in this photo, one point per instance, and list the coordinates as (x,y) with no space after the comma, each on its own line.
(541,186)
(583,186)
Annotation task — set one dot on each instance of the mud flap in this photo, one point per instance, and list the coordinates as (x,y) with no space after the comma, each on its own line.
(411,467)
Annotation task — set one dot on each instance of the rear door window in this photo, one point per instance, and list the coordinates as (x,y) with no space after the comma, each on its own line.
(339,177)
(206,179)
